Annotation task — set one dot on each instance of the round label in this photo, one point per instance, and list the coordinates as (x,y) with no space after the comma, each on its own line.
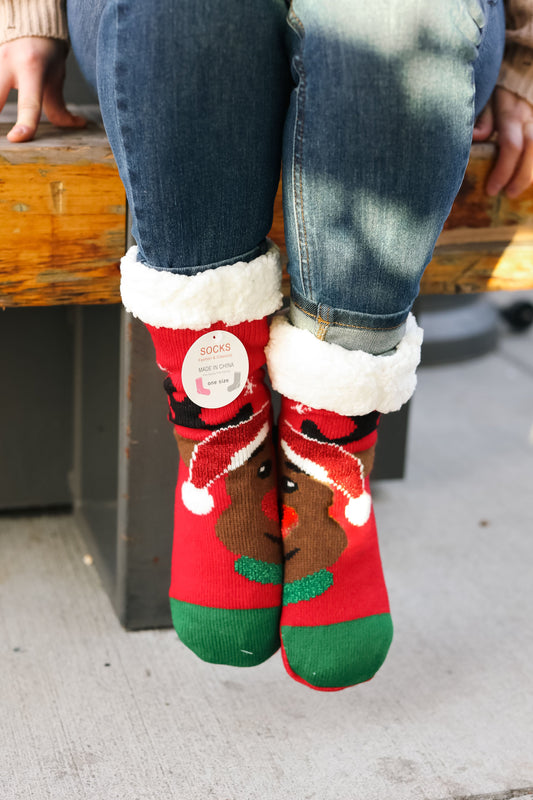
(215,369)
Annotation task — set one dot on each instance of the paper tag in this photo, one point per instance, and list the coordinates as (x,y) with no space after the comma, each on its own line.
(215,369)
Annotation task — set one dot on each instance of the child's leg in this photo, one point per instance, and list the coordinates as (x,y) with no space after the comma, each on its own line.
(193,96)
(376,143)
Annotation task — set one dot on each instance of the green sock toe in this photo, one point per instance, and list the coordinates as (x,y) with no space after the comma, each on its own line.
(238,637)
(339,655)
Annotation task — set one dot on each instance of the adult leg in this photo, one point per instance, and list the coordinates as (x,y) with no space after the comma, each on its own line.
(376,144)
(193,97)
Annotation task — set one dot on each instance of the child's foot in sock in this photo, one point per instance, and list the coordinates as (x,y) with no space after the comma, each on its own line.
(335,626)
(226,582)
(226,567)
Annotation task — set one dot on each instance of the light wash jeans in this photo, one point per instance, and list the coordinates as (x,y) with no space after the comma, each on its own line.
(369,105)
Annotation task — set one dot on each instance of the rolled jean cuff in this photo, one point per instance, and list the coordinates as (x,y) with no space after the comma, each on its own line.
(373,333)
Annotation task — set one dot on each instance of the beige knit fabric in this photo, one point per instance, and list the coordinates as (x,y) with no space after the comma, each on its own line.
(516,73)
(47,18)
(32,18)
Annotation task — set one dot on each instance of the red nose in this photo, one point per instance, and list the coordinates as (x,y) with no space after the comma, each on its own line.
(289,520)
(269,505)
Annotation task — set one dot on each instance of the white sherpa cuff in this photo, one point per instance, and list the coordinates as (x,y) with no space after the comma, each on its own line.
(231,294)
(349,382)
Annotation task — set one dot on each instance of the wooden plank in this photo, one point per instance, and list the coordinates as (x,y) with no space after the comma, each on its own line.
(62,216)
(487,242)
(67,145)
(63,219)
(481,269)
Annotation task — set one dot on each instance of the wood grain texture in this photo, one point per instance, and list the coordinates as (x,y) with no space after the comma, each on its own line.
(62,217)
(487,242)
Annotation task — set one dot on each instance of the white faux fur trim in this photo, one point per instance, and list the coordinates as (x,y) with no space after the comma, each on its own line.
(350,382)
(230,294)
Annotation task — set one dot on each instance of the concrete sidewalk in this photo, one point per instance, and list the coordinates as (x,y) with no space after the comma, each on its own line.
(89,711)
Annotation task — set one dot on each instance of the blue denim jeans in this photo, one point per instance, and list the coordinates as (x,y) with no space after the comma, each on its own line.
(368,106)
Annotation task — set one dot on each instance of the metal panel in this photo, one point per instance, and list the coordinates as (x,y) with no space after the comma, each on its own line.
(36,407)
(94,479)
(148,462)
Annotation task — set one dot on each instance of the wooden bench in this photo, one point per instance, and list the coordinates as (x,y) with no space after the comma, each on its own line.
(64,228)
(63,222)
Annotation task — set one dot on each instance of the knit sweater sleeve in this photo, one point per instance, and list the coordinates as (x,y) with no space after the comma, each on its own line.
(516,73)
(32,18)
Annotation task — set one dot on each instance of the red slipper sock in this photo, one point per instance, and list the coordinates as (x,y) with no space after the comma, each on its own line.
(225,591)
(336,627)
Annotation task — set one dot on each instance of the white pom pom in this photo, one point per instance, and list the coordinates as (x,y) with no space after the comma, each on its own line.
(358,509)
(199,501)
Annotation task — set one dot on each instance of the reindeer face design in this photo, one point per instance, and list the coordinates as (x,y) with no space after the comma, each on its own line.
(235,523)
(313,540)
(323,491)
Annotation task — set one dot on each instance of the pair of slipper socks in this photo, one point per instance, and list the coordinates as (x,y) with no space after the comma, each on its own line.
(244,580)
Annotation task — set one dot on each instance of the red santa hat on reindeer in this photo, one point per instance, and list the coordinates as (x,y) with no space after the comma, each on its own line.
(329,463)
(220,453)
